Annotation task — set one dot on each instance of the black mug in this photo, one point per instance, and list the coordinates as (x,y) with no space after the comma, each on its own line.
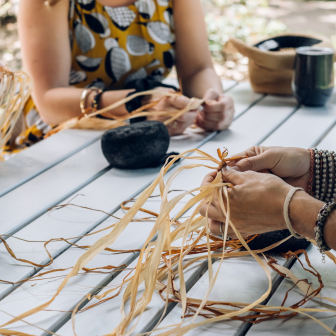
(313,79)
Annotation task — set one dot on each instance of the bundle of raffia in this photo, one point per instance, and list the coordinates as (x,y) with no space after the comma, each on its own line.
(15,89)
(89,120)
(161,259)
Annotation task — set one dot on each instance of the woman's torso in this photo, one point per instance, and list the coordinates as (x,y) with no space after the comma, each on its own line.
(113,46)
(109,48)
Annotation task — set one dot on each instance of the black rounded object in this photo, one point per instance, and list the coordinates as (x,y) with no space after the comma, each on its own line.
(269,238)
(136,146)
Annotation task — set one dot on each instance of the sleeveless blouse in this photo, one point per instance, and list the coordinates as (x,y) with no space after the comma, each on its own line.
(110,46)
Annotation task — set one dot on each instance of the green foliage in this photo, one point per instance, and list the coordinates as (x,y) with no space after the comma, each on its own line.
(237,18)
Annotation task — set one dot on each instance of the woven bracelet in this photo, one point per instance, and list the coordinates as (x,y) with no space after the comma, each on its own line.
(285,212)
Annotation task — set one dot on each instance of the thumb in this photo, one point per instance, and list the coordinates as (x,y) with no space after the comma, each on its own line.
(256,163)
(231,175)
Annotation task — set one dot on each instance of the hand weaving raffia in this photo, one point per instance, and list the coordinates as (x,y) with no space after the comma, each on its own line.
(15,89)
(89,122)
(162,259)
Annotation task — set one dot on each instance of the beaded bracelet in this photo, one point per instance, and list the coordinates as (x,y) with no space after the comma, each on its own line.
(317,173)
(311,173)
(95,100)
(322,187)
(321,220)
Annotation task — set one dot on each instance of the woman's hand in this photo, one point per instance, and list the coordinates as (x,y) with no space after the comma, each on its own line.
(256,206)
(291,164)
(218,111)
(256,202)
(167,104)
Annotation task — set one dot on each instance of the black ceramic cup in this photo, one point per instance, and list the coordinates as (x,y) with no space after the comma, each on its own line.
(313,79)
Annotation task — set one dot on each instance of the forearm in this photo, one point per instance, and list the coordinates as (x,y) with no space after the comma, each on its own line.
(60,104)
(198,83)
(303,211)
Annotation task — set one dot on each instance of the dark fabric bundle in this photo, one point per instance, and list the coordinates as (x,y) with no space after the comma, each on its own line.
(135,146)
(141,85)
(269,238)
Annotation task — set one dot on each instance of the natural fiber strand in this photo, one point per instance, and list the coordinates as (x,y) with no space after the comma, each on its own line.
(160,259)
(15,89)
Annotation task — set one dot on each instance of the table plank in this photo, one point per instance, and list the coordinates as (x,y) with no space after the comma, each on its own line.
(300,325)
(45,226)
(128,183)
(243,97)
(100,207)
(293,133)
(314,129)
(329,141)
(36,292)
(26,203)
(32,162)
(38,228)
(238,281)
(247,130)
(28,164)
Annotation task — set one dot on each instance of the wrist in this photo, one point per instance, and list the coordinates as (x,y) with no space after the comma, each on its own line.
(110,97)
(323,181)
(303,211)
(329,230)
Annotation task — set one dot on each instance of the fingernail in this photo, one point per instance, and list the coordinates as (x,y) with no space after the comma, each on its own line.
(235,168)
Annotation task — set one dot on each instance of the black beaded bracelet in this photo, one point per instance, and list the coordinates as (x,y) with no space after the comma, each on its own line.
(321,220)
(96,99)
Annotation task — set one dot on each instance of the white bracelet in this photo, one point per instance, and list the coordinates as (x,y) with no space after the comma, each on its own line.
(285,210)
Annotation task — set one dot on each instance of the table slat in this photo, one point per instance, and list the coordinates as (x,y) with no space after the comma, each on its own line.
(301,325)
(313,130)
(293,133)
(42,230)
(243,97)
(246,130)
(26,203)
(32,162)
(122,186)
(28,164)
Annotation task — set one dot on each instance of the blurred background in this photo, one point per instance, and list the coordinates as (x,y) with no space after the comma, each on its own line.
(248,20)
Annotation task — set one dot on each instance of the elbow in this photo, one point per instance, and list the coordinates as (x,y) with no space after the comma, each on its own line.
(47,107)
(45,112)
(48,119)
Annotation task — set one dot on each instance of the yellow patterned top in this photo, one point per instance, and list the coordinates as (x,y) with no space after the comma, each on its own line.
(110,46)
(113,46)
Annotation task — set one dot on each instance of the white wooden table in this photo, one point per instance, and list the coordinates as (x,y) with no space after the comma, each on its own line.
(71,164)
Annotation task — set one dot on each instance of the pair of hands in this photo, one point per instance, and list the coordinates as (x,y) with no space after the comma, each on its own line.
(261,183)
(216,113)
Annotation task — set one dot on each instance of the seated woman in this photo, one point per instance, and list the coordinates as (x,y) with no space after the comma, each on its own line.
(70,45)
(259,201)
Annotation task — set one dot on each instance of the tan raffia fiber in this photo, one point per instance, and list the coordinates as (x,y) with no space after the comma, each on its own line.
(90,122)
(150,270)
(15,89)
